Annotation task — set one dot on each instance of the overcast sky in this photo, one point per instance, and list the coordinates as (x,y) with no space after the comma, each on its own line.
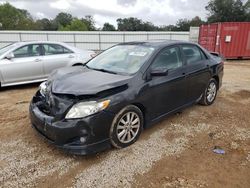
(159,12)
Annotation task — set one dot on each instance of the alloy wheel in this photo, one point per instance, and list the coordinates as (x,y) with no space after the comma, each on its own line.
(128,127)
(211,92)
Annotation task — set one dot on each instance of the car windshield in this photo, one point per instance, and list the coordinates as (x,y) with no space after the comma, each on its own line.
(6,48)
(121,59)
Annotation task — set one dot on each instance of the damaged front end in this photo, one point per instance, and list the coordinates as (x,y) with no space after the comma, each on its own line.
(85,135)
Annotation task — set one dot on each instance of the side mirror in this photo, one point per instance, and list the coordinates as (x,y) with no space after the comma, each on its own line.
(9,56)
(159,72)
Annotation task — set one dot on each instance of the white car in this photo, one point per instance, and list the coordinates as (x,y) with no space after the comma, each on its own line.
(28,62)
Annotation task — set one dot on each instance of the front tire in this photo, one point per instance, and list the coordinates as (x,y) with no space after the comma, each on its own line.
(210,93)
(126,127)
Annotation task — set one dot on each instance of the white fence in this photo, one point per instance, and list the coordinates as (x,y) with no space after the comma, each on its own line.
(88,40)
(194,34)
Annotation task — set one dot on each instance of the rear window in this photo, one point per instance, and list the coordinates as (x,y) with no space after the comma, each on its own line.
(54,49)
(193,54)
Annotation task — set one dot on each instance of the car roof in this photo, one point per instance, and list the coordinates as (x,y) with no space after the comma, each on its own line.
(156,43)
(40,42)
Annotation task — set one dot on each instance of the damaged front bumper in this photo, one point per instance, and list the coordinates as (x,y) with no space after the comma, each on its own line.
(79,136)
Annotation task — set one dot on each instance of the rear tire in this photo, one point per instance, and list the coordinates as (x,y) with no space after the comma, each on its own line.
(126,127)
(210,93)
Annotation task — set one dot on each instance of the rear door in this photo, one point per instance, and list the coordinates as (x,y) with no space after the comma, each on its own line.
(198,73)
(26,65)
(56,56)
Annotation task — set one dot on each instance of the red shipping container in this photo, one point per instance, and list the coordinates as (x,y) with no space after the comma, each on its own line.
(231,39)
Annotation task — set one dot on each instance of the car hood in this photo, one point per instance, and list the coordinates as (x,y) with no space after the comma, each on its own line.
(83,81)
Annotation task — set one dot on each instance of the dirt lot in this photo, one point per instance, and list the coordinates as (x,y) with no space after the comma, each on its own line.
(174,153)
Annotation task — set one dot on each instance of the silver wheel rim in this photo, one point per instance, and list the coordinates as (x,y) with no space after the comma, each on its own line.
(128,127)
(211,92)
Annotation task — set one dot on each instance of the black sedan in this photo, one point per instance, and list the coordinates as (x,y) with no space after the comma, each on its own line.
(125,89)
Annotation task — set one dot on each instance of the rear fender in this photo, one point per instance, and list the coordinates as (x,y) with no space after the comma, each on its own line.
(1,79)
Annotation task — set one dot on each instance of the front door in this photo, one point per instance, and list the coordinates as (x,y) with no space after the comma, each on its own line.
(169,92)
(26,65)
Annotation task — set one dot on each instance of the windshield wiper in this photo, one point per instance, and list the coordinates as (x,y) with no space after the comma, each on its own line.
(105,70)
(102,70)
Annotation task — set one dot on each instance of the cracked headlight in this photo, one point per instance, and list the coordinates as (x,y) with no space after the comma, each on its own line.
(43,88)
(83,109)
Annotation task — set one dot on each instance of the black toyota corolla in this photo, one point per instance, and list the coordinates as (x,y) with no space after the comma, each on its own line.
(125,89)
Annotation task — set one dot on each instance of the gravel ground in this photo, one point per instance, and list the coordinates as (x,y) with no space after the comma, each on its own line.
(177,152)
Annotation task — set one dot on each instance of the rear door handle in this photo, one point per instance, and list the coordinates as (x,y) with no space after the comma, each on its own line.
(38,60)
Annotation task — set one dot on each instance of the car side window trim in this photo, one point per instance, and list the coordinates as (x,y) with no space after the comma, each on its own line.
(203,54)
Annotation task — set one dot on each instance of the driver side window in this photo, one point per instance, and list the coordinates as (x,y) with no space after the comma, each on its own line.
(27,51)
(169,58)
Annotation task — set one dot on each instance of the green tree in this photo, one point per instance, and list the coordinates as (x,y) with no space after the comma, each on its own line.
(108,27)
(12,18)
(226,11)
(89,22)
(129,24)
(183,25)
(134,24)
(247,9)
(63,19)
(46,25)
(75,25)
(167,28)
(148,26)
(196,21)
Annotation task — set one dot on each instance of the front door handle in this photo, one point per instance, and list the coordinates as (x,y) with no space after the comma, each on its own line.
(71,56)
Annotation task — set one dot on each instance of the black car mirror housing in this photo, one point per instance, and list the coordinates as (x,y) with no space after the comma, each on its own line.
(159,72)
